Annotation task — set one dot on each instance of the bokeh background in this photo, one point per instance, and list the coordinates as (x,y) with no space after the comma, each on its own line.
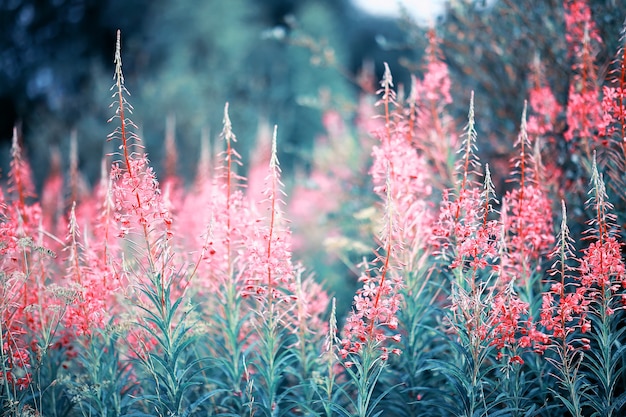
(269,59)
(275,61)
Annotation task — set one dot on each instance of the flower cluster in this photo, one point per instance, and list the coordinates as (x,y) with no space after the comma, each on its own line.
(374,314)
(17,367)
(564,306)
(508,314)
(584,112)
(462,224)
(602,266)
(613,112)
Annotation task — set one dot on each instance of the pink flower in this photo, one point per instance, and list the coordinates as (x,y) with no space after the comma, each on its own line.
(564,307)
(506,316)
(528,222)
(584,108)
(543,106)
(20,177)
(462,224)
(602,265)
(269,275)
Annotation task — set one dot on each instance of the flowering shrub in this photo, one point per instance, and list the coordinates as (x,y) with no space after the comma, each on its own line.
(147,298)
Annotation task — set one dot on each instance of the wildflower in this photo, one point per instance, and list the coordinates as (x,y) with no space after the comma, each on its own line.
(270,275)
(527,213)
(24,382)
(544,108)
(564,307)
(584,106)
(431,129)
(20,179)
(463,227)
(374,311)
(601,262)
(90,307)
(602,267)
(135,193)
(506,315)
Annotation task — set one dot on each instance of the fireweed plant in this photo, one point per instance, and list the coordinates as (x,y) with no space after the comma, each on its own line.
(148,298)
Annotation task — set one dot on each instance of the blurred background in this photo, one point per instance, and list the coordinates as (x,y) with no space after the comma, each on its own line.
(275,61)
(269,59)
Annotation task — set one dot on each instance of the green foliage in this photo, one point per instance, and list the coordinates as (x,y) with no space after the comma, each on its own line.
(172,375)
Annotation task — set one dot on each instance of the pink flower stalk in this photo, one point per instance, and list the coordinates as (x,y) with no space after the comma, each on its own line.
(411,187)
(91,307)
(401,178)
(431,128)
(435,87)
(21,185)
(463,225)
(544,108)
(508,316)
(387,99)
(230,184)
(579,25)
(528,223)
(373,320)
(312,303)
(486,314)
(601,274)
(99,248)
(469,164)
(613,113)
(545,111)
(24,304)
(584,106)
(409,171)
(527,218)
(564,306)
(219,208)
(397,162)
(562,313)
(21,245)
(104,228)
(269,274)
(602,267)
(136,194)
(613,126)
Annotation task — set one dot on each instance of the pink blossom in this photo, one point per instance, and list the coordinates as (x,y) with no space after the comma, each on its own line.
(584,108)
(602,266)
(507,316)
(613,112)
(269,275)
